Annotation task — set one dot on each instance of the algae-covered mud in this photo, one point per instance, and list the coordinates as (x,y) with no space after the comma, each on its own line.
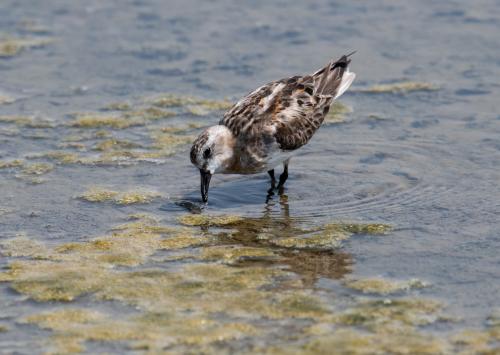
(384,240)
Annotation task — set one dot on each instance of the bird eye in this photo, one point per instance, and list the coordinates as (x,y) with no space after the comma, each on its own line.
(207,153)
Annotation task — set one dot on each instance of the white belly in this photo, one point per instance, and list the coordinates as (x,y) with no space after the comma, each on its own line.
(251,163)
(277,158)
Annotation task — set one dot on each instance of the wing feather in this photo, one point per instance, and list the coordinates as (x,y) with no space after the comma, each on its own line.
(291,110)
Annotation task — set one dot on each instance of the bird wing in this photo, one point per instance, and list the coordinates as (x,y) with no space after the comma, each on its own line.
(292,109)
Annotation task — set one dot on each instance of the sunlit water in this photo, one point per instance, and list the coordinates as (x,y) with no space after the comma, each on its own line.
(425,162)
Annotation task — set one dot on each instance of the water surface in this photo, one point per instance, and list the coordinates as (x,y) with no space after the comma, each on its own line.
(395,199)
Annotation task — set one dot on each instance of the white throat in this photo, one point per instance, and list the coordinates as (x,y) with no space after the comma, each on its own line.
(223,140)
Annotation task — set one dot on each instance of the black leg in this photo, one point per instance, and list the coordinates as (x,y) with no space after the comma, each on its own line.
(283,176)
(273,179)
(270,194)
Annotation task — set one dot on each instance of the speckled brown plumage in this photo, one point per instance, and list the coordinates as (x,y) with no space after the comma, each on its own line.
(286,111)
(200,142)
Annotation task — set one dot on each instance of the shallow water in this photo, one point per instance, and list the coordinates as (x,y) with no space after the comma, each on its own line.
(384,239)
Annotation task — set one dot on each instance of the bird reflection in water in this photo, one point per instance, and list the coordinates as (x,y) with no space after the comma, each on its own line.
(309,263)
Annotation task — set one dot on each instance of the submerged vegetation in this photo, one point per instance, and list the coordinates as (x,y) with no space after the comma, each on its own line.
(37,168)
(121,134)
(194,105)
(4,100)
(27,121)
(98,194)
(207,220)
(92,120)
(10,163)
(400,87)
(383,286)
(203,283)
(70,270)
(11,47)
(209,303)
(338,112)
(125,119)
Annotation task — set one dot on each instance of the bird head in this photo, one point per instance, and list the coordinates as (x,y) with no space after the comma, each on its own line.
(212,152)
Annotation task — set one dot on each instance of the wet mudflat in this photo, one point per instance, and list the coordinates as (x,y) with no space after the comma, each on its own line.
(384,239)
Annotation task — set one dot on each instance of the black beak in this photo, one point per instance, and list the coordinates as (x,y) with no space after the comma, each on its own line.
(205,177)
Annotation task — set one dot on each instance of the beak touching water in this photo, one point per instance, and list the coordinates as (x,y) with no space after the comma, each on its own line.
(205,177)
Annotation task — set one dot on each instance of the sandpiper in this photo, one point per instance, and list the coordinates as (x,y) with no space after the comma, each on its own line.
(268,126)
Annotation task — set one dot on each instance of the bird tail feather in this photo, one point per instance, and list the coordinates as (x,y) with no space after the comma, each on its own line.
(335,78)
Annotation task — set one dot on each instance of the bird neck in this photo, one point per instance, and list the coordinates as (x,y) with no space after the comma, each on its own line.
(226,142)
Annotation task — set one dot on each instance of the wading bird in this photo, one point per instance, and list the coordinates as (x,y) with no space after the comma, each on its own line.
(269,125)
